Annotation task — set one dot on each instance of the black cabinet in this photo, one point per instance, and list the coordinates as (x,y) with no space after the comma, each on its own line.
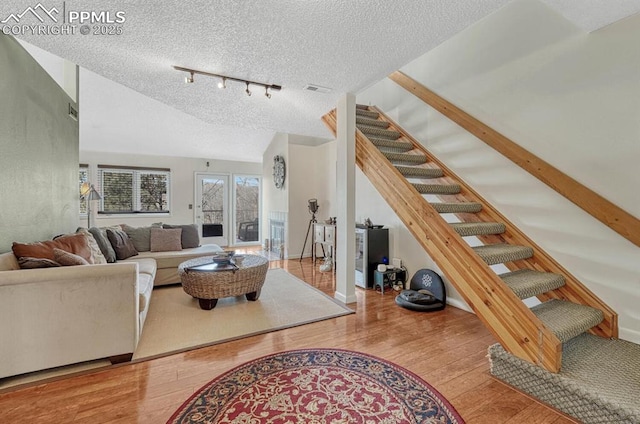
(372,248)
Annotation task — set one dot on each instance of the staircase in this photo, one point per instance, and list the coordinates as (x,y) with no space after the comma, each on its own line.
(420,188)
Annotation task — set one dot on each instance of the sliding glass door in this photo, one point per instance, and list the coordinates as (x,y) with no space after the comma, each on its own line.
(212,208)
(227,208)
(246,206)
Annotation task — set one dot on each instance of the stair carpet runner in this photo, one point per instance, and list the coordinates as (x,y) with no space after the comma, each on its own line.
(565,319)
(590,385)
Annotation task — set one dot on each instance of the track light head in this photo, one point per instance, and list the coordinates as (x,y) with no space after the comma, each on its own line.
(189,80)
(222,84)
(266,93)
(247,90)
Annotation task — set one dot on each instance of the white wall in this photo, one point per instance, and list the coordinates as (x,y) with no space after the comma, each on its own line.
(569,97)
(182,182)
(310,174)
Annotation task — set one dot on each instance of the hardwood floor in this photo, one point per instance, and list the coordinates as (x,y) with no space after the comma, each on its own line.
(447,349)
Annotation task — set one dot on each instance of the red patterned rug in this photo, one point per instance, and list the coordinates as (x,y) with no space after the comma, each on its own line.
(317,386)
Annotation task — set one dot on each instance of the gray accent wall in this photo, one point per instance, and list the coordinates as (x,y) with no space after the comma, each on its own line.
(39,150)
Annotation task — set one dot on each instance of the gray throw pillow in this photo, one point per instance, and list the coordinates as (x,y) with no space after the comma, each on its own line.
(100,235)
(189,237)
(140,236)
(121,243)
(31,263)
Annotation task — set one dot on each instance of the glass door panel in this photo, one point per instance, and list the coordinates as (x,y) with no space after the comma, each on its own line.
(212,209)
(246,202)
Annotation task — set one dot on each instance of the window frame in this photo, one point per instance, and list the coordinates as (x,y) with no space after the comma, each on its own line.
(137,203)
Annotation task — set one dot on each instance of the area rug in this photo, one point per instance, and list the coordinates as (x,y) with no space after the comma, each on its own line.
(317,386)
(175,322)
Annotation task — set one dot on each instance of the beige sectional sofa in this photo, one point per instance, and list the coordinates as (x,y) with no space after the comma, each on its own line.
(64,315)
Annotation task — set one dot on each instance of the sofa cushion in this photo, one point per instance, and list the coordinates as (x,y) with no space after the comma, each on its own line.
(145,265)
(145,286)
(165,240)
(100,235)
(73,243)
(96,253)
(32,263)
(189,237)
(121,243)
(8,262)
(173,259)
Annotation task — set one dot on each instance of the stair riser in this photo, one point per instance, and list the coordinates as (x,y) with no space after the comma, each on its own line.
(379,132)
(371,122)
(367,114)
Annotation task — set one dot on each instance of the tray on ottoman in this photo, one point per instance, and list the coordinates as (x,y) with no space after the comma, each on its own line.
(209,281)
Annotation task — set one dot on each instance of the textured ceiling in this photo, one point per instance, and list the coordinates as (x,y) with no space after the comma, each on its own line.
(343,45)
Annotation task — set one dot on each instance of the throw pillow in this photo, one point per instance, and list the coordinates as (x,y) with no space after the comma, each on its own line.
(73,243)
(32,263)
(165,240)
(121,243)
(68,259)
(100,234)
(189,238)
(140,236)
(96,254)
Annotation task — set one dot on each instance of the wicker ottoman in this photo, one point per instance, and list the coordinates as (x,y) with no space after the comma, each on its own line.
(209,286)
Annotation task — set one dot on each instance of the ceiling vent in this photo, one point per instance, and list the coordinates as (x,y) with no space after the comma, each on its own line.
(316,88)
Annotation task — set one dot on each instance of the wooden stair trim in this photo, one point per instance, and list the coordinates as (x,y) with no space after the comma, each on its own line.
(573,290)
(519,331)
(616,218)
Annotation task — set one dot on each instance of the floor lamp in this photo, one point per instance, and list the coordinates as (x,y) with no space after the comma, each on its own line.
(313,208)
(89,194)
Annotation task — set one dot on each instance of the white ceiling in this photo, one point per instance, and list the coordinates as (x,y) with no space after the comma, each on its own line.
(133,101)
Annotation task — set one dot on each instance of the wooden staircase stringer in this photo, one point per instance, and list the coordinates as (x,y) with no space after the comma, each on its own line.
(518,330)
(573,290)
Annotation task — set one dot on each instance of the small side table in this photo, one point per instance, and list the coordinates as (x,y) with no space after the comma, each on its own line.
(389,278)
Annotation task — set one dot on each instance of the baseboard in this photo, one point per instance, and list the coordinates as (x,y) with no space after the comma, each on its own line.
(629,335)
(459,304)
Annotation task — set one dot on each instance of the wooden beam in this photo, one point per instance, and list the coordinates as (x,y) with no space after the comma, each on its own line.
(616,218)
(513,324)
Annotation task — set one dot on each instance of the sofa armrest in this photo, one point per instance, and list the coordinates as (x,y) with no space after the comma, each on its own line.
(60,316)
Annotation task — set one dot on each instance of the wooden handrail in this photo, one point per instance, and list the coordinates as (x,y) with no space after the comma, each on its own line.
(619,220)
(505,315)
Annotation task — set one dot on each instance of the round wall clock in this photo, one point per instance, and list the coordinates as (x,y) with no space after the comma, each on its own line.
(279,171)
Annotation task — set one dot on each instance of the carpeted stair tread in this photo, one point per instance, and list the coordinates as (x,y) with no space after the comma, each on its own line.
(437,188)
(405,158)
(402,146)
(466,229)
(418,172)
(566,319)
(527,283)
(361,120)
(379,132)
(361,107)
(466,207)
(502,252)
(599,382)
(367,113)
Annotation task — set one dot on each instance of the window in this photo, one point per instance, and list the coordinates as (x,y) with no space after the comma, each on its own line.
(83,177)
(133,190)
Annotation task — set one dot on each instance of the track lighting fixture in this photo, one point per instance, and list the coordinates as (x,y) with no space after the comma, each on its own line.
(224,78)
